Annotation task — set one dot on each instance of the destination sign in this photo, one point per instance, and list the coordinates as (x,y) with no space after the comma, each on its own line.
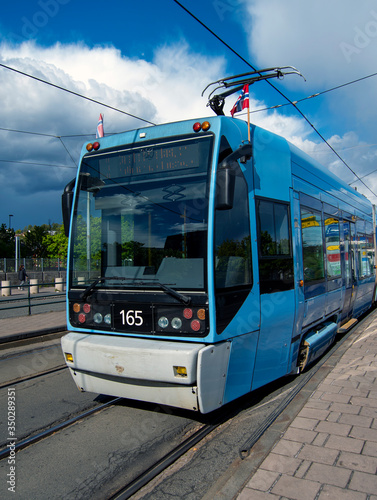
(155,159)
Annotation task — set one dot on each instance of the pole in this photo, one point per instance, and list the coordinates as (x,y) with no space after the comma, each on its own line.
(248,123)
(16,252)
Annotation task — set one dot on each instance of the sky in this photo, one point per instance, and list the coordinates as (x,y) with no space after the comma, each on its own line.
(151,59)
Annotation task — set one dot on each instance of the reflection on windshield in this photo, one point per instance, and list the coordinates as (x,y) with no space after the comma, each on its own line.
(142,229)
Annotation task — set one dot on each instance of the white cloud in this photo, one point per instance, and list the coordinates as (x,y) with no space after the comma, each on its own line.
(165,89)
(327,41)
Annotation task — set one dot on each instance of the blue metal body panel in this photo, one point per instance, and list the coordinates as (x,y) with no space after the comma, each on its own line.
(266,332)
(277,323)
(241,366)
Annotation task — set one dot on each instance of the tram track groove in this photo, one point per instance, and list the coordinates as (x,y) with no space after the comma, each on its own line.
(4,451)
(32,377)
(170,458)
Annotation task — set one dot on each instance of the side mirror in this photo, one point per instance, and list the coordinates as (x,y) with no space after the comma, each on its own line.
(225,182)
(226,177)
(67,202)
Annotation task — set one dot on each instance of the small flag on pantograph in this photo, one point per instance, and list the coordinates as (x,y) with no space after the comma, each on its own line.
(100,132)
(242,101)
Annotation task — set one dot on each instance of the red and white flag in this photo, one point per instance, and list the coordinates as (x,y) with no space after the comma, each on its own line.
(100,132)
(242,101)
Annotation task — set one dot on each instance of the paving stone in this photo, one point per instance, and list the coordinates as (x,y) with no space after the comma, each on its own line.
(336,398)
(304,423)
(363,433)
(358,462)
(300,435)
(328,475)
(249,494)
(334,493)
(358,420)
(370,449)
(263,480)
(333,416)
(363,482)
(364,401)
(303,469)
(287,448)
(320,439)
(317,404)
(314,413)
(334,428)
(326,387)
(318,454)
(296,489)
(281,464)
(346,408)
(342,443)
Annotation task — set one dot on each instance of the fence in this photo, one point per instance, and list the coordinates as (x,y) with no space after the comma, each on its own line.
(33,297)
(33,265)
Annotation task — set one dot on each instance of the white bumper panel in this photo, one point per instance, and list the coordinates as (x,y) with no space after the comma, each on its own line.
(181,396)
(143,369)
(132,358)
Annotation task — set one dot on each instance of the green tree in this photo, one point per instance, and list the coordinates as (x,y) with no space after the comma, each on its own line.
(56,244)
(7,245)
(34,241)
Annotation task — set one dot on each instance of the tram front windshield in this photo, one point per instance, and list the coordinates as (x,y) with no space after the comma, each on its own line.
(141,216)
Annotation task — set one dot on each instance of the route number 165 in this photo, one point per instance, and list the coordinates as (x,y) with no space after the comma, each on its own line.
(131,317)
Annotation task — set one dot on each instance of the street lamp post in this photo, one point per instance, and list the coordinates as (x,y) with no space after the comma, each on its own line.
(10,217)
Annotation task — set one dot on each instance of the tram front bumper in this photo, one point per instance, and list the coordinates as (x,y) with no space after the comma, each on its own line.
(182,374)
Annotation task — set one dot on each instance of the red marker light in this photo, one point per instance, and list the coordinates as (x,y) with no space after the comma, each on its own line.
(197,127)
(82,318)
(86,308)
(195,325)
(187,313)
(95,145)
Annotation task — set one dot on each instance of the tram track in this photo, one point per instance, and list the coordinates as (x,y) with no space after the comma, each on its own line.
(32,377)
(4,451)
(140,482)
(148,483)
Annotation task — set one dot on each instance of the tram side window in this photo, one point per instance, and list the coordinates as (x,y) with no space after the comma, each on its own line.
(312,244)
(233,240)
(361,248)
(333,266)
(365,248)
(275,247)
(370,248)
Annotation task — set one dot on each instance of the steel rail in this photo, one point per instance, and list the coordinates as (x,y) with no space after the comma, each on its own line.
(4,452)
(31,377)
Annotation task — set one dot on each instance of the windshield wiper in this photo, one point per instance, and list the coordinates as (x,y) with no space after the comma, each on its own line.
(88,290)
(182,298)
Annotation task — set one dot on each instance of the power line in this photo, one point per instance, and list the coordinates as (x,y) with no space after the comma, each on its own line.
(74,93)
(36,163)
(275,88)
(317,94)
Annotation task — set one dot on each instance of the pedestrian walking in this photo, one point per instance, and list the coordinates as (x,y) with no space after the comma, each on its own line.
(22,276)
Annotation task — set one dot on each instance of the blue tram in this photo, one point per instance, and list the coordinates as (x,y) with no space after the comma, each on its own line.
(203,266)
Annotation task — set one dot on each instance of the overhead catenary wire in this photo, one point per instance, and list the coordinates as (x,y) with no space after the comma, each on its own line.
(317,94)
(75,93)
(277,90)
(36,163)
(290,102)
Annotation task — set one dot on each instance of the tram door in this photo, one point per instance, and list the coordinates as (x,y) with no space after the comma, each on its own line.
(277,293)
(349,266)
